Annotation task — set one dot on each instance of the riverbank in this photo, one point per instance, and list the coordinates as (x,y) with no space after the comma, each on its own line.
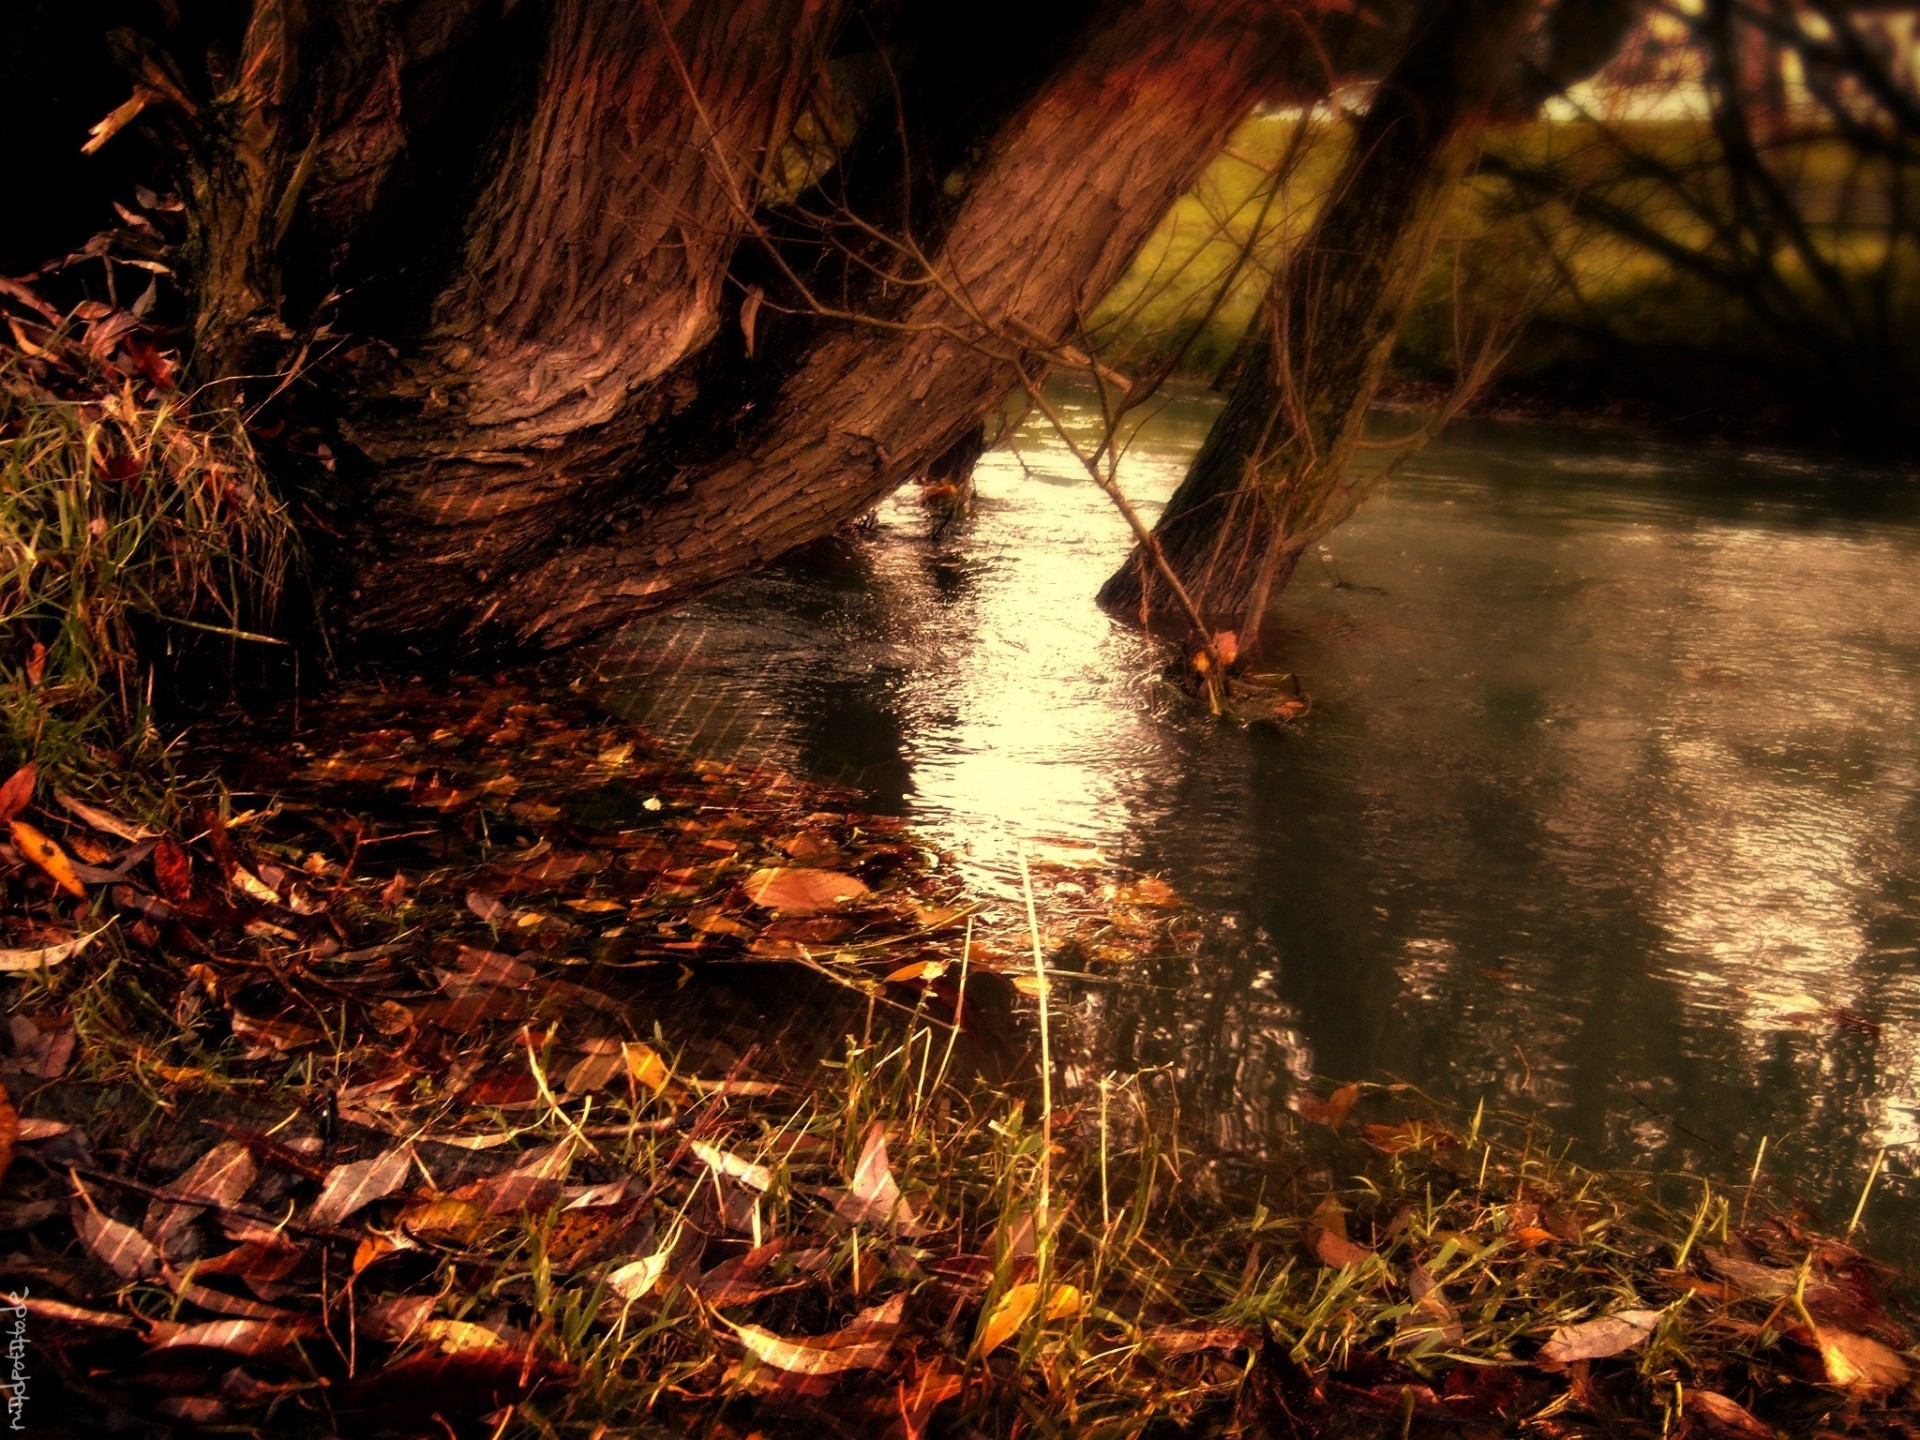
(472,1057)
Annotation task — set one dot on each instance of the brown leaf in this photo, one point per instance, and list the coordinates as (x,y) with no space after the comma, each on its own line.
(1598,1339)
(255,1339)
(1727,1419)
(103,821)
(16,793)
(1859,1363)
(1330,1112)
(1336,1251)
(1180,1340)
(48,856)
(855,1348)
(173,871)
(127,1252)
(222,1175)
(360,1183)
(799,890)
(9,1130)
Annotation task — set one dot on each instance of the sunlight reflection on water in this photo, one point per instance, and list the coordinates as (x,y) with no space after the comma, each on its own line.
(1609,803)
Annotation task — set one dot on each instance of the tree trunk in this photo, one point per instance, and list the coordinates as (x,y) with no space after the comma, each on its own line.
(1057,207)
(1274,473)
(593,266)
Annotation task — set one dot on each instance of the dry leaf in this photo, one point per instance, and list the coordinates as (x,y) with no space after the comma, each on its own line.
(1597,1339)
(1015,1306)
(637,1278)
(358,1184)
(127,1252)
(104,822)
(920,970)
(798,890)
(222,1175)
(1725,1418)
(874,1198)
(239,1337)
(1857,1362)
(42,956)
(855,1348)
(1330,1111)
(1336,1251)
(756,1177)
(48,856)
(17,792)
(9,1130)
(646,1068)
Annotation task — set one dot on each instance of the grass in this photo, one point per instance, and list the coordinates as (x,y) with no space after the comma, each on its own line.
(135,531)
(630,1117)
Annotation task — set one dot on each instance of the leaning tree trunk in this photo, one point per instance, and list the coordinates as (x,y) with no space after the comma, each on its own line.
(594,264)
(1274,472)
(1064,197)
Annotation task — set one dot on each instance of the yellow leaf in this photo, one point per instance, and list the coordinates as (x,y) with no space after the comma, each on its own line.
(923,970)
(1014,1308)
(48,856)
(646,1067)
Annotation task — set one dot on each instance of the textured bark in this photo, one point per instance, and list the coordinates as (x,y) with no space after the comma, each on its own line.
(593,266)
(1057,207)
(1274,473)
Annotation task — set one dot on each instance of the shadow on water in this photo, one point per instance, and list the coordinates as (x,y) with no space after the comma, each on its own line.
(1608,807)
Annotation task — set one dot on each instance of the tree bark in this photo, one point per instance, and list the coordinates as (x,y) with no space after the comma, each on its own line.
(593,266)
(1057,207)
(1275,471)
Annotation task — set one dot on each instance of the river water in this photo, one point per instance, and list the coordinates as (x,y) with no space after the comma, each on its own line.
(1608,806)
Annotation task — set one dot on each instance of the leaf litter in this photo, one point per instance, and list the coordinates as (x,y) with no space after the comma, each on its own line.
(476,1062)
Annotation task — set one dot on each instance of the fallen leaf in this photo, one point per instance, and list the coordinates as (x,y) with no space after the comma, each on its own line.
(255,1339)
(921,970)
(9,1130)
(756,1177)
(638,1277)
(1598,1339)
(850,1349)
(799,890)
(874,1198)
(1857,1362)
(17,792)
(103,821)
(359,1183)
(127,1252)
(1723,1417)
(45,955)
(645,1067)
(1180,1340)
(222,1175)
(1766,1282)
(1013,1309)
(1336,1251)
(33,1130)
(70,1314)
(1330,1112)
(48,856)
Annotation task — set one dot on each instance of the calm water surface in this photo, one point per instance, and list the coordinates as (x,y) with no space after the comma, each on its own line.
(1608,805)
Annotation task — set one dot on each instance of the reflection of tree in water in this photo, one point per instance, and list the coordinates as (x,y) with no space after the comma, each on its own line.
(1571,892)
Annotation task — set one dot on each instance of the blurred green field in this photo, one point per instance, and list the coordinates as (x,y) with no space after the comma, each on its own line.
(1609,323)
